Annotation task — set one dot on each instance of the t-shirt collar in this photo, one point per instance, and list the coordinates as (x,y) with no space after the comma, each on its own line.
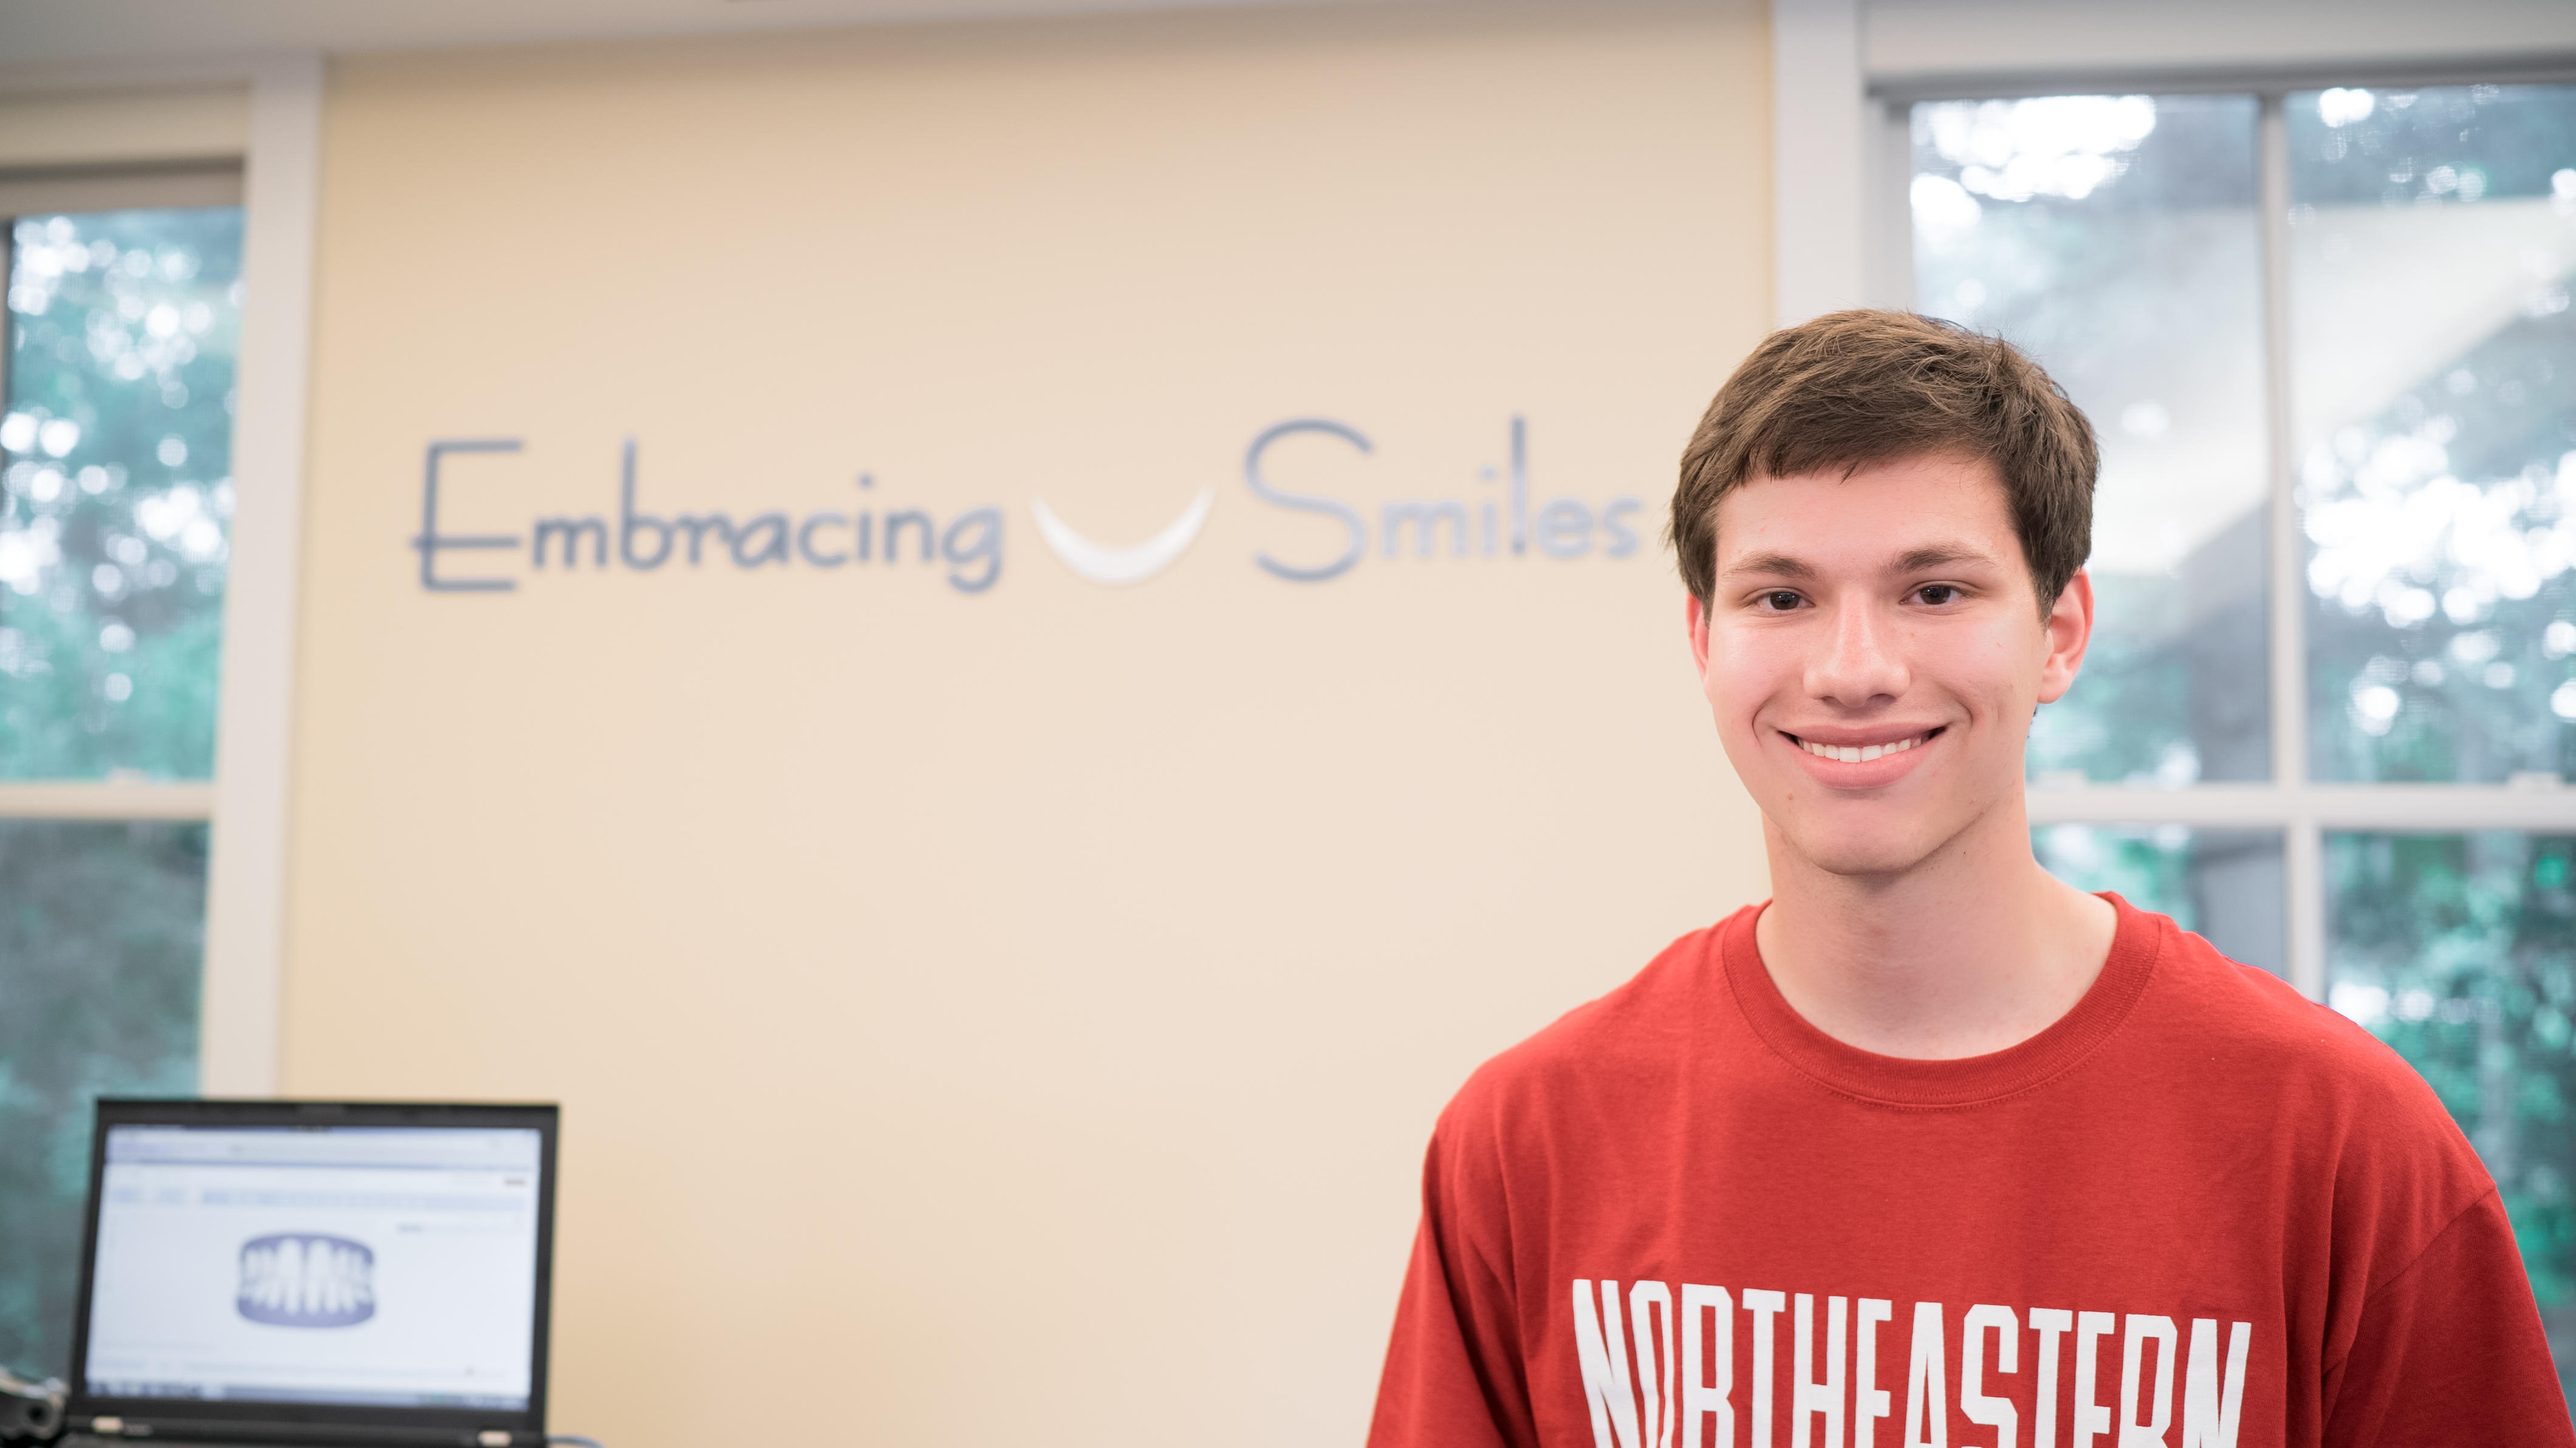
(1896,1081)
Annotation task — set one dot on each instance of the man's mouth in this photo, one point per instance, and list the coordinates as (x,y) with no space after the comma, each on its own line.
(1861,753)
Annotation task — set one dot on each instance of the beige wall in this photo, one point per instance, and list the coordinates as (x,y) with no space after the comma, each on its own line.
(47,131)
(1011,1016)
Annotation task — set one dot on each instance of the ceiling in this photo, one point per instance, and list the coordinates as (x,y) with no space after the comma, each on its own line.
(91,35)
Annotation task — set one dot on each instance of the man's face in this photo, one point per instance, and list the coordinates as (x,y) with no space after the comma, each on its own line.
(1873,650)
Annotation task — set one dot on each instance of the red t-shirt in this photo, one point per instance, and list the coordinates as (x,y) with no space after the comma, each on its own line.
(2200,1211)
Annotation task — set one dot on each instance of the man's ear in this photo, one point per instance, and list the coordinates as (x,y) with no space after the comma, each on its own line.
(1698,623)
(2070,632)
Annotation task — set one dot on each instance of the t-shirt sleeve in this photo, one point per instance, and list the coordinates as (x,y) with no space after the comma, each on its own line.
(1454,1376)
(2450,1350)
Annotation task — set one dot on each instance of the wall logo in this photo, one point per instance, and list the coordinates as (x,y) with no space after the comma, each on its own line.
(969,545)
(306,1279)
(1103,564)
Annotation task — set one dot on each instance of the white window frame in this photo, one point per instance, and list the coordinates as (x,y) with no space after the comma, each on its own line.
(247,801)
(1842,165)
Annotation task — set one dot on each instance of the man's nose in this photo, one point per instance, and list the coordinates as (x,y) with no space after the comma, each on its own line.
(1861,663)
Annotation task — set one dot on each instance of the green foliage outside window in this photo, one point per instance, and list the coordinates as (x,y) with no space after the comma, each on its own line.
(2225,885)
(2150,868)
(102,931)
(2460,952)
(117,491)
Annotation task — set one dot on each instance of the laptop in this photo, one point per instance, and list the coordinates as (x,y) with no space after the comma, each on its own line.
(315,1275)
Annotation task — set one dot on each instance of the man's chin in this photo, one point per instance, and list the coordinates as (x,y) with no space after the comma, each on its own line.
(1859,855)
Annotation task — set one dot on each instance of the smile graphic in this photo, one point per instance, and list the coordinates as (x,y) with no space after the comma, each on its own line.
(1103,564)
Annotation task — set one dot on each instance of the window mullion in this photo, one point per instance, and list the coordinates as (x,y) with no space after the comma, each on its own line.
(2289,568)
(110,799)
(2303,855)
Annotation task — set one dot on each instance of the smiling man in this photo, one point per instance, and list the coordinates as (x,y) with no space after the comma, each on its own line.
(1933,1149)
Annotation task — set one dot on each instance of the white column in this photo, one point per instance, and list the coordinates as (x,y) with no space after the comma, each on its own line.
(247,868)
(1819,159)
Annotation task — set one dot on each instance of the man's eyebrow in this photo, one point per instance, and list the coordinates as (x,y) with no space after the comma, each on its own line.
(1940,555)
(1775,565)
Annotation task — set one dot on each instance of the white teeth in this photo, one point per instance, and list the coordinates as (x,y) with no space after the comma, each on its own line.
(1860,753)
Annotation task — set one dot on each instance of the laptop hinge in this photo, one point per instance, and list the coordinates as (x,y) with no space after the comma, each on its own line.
(339,1435)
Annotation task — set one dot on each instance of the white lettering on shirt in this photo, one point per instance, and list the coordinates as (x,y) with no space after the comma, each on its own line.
(2049,1323)
(2092,1419)
(1678,1390)
(1602,1350)
(1926,1377)
(1812,1397)
(2209,1414)
(1708,1367)
(1991,1412)
(1765,1307)
(1869,1400)
(1653,1300)
(2144,1329)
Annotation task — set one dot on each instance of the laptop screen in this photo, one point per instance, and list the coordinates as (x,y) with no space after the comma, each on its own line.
(376,1266)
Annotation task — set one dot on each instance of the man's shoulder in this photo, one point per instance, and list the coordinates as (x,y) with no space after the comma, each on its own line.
(2253,1043)
(2202,1003)
(1607,1047)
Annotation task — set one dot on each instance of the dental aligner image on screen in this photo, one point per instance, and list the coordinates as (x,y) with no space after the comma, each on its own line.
(307,1279)
(386,1266)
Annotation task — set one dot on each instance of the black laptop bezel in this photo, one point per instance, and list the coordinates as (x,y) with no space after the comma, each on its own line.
(177,1417)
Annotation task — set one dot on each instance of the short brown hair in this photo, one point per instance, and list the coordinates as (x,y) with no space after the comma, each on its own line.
(1859,387)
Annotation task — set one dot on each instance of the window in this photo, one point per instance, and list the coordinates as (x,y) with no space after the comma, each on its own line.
(2431,239)
(115,503)
(2460,951)
(2117,238)
(2225,884)
(2325,335)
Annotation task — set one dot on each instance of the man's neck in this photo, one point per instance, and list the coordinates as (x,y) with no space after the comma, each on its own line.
(1974,950)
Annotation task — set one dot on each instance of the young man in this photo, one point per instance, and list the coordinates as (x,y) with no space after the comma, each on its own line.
(1933,1149)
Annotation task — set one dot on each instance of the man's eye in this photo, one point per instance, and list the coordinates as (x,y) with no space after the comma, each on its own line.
(1937,593)
(1780,600)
